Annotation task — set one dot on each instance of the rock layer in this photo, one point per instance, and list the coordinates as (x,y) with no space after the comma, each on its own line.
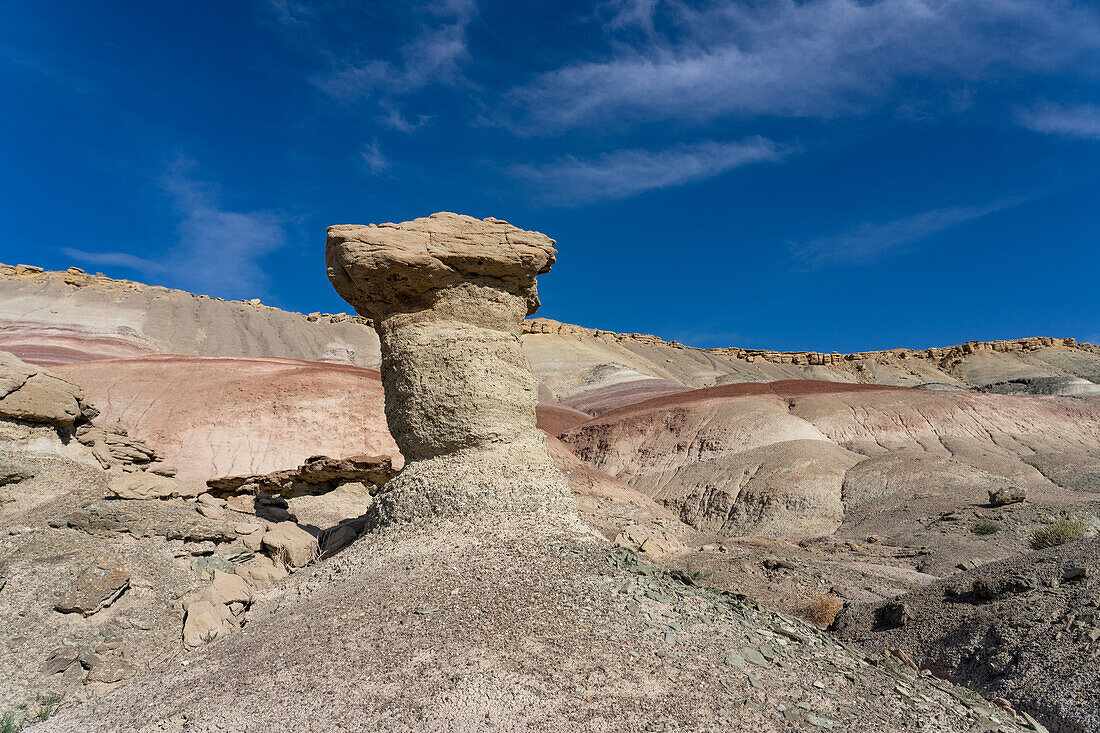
(447,295)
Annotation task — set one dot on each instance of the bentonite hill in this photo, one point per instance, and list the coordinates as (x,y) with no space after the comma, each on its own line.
(442,514)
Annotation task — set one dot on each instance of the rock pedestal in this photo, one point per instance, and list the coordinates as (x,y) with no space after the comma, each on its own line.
(447,295)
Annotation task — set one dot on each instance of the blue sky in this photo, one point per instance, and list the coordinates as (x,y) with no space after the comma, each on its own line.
(824,174)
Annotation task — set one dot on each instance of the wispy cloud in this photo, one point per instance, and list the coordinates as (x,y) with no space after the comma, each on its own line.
(624,173)
(813,58)
(114,259)
(432,57)
(1080,121)
(374,159)
(219,250)
(292,13)
(869,241)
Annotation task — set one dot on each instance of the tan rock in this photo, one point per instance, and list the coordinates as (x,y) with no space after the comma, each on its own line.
(32,394)
(1004,497)
(254,540)
(204,623)
(145,485)
(447,295)
(97,587)
(212,512)
(207,593)
(232,588)
(261,572)
(291,544)
(653,542)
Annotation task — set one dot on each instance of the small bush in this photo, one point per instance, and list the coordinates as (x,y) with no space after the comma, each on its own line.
(984,526)
(10,723)
(822,609)
(1057,533)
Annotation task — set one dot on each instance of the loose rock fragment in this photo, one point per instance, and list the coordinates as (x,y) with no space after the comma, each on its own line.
(96,587)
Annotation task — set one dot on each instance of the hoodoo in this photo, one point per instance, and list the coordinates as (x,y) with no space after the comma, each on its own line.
(447,295)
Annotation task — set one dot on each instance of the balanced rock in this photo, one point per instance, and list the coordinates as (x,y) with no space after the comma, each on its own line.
(447,295)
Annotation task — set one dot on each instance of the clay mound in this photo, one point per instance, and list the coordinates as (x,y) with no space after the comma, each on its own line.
(787,489)
(783,389)
(598,400)
(1062,386)
(211,417)
(588,481)
(66,317)
(1022,628)
(686,449)
(53,345)
(555,419)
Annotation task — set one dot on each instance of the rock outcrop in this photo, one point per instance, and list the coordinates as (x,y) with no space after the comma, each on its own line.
(447,295)
(318,475)
(31,394)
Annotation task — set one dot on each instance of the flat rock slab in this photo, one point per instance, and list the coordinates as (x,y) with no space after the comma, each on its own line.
(145,485)
(97,587)
(147,519)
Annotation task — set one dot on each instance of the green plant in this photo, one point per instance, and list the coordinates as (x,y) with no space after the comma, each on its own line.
(209,636)
(10,723)
(49,705)
(1057,533)
(984,526)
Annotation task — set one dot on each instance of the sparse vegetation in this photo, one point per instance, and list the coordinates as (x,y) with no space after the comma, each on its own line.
(1057,533)
(10,722)
(49,705)
(822,609)
(985,527)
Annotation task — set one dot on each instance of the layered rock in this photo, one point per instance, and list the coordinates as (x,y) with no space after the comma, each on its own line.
(447,295)
(318,475)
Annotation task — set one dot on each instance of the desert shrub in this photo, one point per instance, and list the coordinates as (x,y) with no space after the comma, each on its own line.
(1057,533)
(822,609)
(10,723)
(984,526)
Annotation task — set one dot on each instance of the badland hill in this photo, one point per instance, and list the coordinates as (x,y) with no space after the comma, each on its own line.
(202,529)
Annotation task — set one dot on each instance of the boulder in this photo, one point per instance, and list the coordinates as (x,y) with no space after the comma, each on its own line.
(205,621)
(231,588)
(261,572)
(35,395)
(97,587)
(1004,497)
(653,542)
(291,544)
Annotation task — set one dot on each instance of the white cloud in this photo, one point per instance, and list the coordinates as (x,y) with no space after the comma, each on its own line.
(868,241)
(374,159)
(624,173)
(291,13)
(813,58)
(114,259)
(218,251)
(1080,121)
(433,56)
